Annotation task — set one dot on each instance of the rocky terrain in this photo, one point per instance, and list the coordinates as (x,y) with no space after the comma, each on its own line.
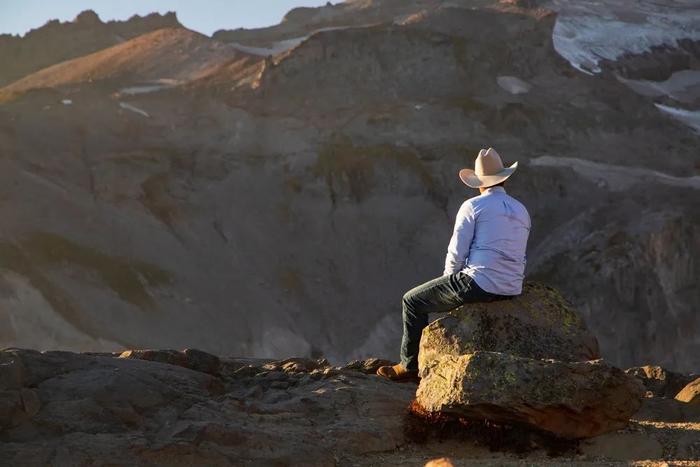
(167,407)
(273,192)
(81,409)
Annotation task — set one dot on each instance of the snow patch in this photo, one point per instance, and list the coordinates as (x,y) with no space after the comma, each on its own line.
(682,86)
(282,46)
(67,102)
(513,85)
(141,89)
(151,86)
(276,48)
(587,31)
(130,107)
(688,117)
(615,177)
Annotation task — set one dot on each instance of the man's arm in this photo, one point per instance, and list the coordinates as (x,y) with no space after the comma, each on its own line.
(458,249)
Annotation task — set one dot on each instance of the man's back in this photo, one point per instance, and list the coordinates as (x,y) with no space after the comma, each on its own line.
(485,258)
(489,241)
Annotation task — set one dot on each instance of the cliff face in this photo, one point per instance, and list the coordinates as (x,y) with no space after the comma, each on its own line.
(640,270)
(249,204)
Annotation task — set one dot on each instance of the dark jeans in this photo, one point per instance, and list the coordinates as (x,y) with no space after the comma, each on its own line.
(438,295)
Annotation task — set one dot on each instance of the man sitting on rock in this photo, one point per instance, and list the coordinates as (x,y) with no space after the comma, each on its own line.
(485,258)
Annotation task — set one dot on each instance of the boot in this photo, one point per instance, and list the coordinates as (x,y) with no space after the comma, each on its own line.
(398,373)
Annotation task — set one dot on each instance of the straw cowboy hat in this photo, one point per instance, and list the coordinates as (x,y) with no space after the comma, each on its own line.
(488,170)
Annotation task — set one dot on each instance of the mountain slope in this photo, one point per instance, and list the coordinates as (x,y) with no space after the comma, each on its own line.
(175,54)
(57,42)
(282,205)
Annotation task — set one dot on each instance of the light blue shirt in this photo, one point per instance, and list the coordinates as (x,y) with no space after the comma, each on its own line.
(489,241)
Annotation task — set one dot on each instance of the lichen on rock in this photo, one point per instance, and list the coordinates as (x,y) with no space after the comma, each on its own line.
(568,399)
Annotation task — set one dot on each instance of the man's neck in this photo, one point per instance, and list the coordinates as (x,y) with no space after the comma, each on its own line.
(492,189)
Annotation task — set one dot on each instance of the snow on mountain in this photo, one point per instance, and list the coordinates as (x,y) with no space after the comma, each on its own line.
(588,31)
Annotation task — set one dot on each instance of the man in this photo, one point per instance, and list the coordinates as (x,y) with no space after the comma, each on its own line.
(485,258)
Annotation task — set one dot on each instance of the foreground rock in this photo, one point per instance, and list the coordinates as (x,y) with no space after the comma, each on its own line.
(63,408)
(539,323)
(145,407)
(568,399)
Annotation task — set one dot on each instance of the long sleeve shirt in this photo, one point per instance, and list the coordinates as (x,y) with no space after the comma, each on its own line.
(489,242)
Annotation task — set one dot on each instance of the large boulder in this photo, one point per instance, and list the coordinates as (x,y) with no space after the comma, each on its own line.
(567,399)
(539,323)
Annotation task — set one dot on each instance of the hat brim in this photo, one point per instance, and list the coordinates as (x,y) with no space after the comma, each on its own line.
(473,180)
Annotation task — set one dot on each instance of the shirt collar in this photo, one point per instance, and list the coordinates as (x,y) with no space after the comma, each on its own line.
(494,189)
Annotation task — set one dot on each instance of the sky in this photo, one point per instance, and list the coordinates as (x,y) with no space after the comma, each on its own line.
(205,16)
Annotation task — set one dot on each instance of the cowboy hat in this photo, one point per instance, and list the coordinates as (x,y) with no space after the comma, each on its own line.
(488,170)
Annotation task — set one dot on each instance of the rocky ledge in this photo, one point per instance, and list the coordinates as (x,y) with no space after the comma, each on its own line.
(158,407)
(482,400)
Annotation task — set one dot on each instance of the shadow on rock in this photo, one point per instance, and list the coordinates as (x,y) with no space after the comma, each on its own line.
(422,426)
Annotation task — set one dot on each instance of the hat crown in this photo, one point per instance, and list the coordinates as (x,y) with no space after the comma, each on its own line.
(488,170)
(488,162)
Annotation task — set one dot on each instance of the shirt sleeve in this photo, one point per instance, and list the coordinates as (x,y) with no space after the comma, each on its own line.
(458,248)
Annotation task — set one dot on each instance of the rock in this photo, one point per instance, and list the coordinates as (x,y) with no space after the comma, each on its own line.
(690,394)
(441,462)
(189,358)
(666,409)
(96,408)
(367,366)
(30,401)
(537,324)
(688,446)
(10,408)
(11,371)
(567,399)
(202,361)
(297,365)
(660,381)
(87,18)
(279,385)
(29,368)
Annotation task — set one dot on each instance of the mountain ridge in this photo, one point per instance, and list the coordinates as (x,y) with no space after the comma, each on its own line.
(147,57)
(55,41)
